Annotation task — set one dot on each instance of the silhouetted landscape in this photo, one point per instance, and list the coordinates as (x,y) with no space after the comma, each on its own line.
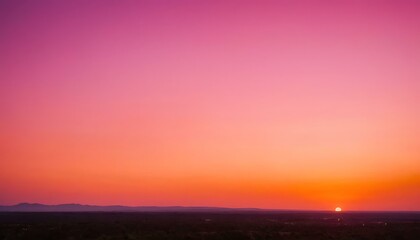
(36,207)
(200,223)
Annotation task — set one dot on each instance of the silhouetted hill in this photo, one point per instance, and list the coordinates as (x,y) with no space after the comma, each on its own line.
(36,207)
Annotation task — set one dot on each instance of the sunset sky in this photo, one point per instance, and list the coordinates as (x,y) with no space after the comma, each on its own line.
(272,104)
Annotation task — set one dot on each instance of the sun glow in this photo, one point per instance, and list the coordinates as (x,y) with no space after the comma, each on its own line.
(338,209)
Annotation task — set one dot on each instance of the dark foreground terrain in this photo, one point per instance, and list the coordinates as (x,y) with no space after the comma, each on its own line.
(237,225)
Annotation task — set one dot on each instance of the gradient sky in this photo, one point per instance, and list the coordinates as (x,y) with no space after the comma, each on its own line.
(271,104)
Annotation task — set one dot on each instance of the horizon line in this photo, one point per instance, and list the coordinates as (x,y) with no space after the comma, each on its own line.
(202,206)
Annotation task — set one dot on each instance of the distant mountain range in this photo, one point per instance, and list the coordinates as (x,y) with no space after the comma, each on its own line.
(36,207)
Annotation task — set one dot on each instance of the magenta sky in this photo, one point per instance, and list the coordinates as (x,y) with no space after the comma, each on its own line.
(277,104)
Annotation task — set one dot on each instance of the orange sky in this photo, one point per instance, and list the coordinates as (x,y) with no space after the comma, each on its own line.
(212,103)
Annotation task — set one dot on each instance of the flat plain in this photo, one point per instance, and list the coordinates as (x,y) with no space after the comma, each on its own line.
(210,225)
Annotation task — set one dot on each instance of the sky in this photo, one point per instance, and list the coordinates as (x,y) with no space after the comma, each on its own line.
(270,104)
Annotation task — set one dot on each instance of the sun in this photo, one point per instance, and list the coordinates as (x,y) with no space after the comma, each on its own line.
(338,209)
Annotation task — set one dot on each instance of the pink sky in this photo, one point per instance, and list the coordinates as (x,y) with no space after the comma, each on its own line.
(273,104)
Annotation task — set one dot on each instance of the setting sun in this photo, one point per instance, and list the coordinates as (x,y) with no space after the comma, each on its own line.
(338,209)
